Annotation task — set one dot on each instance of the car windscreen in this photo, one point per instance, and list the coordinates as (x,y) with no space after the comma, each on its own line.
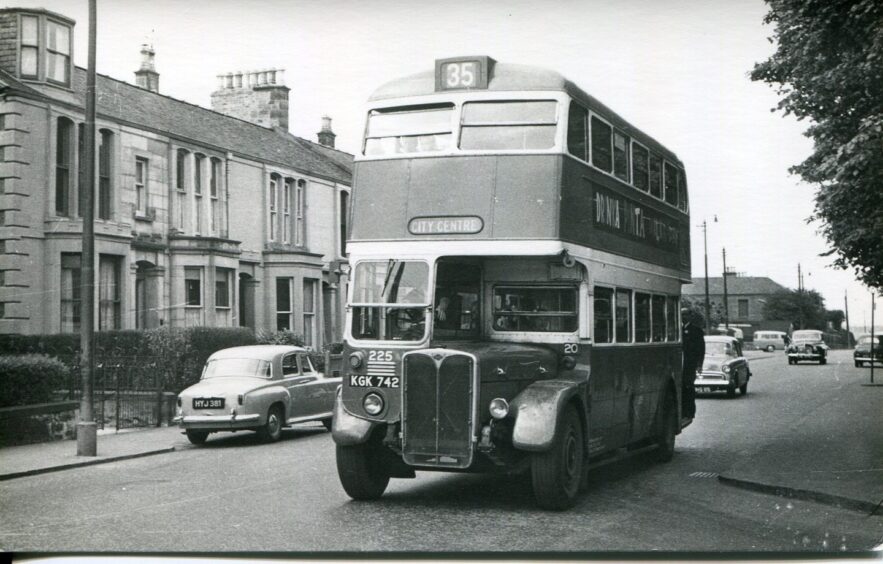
(232,367)
(867,340)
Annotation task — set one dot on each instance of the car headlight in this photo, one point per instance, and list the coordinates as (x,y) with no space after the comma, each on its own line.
(373,404)
(499,408)
(726,368)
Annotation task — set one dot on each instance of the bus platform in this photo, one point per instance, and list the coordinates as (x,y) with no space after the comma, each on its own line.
(835,456)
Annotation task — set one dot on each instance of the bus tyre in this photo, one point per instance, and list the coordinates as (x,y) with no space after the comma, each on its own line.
(361,471)
(197,437)
(668,429)
(558,472)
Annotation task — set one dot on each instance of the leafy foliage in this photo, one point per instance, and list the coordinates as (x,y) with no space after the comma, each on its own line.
(805,309)
(828,67)
(29,378)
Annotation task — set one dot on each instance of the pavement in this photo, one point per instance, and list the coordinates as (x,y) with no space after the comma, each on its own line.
(835,455)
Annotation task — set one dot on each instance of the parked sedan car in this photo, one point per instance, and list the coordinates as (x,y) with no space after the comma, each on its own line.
(807,344)
(862,352)
(724,368)
(261,388)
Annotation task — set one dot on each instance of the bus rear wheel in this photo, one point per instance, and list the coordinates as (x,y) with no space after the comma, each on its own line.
(361,470)
(557,473)
(668,430)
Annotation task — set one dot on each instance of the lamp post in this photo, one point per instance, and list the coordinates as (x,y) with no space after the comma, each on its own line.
(707,300)
(726,299)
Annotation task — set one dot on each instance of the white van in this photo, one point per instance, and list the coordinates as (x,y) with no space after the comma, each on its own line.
(770,340)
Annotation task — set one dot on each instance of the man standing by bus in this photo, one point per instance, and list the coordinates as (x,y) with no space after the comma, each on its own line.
(693,342)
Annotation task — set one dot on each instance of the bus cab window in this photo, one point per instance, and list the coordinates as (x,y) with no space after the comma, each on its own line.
(456,312)
(390,300)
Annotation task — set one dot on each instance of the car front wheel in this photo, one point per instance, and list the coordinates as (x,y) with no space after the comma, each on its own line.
(557,473)
(743,389)
(770,348)
(823,360)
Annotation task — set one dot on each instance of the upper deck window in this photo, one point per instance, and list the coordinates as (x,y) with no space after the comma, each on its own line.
(640,167)
(577,131)
(602,144)
(415,129)
(500,126)
(671,184)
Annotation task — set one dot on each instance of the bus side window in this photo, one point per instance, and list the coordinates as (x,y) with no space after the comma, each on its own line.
(603,310)
(602,145)
(577,123)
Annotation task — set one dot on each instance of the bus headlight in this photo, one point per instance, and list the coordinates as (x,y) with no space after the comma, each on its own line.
(499,408)
(356,359)
(373,404)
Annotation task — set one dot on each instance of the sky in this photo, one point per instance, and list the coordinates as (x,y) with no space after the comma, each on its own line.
(676,69)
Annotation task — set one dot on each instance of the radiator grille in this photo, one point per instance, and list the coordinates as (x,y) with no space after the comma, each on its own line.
(437,408)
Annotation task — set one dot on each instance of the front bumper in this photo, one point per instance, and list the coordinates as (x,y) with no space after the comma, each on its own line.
(218,422)
(867,358)
(714,381)
(806,355)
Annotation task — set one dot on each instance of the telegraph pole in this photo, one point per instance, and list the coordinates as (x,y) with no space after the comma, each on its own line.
(707,301)
(873,337)
(846,311)
(726,300)
(86,428)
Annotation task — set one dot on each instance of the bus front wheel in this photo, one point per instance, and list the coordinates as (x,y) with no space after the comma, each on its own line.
(557,473)
(361,470)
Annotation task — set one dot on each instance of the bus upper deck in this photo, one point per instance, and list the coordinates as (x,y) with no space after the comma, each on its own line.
(518,153)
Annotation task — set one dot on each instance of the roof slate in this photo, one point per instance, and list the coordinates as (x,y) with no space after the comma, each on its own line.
(736,285)
(123,102)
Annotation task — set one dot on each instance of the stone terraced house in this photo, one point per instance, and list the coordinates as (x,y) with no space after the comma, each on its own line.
(202,217)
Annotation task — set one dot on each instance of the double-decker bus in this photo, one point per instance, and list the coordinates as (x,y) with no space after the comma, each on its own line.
(518,251)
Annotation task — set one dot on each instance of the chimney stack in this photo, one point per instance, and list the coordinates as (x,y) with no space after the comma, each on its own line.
(259,96)
(326,136)
(146,77)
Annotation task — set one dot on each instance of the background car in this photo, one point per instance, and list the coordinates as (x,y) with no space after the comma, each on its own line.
(807,344)
(261,388)
(724,368)
(862,352)
(770,340)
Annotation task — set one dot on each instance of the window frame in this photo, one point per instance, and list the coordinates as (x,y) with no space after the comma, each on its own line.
(56,53)
(272,204)
(142,196)
(35,47)
(189,271)
(225,276)
(300,202)
(309,315)
(626,154)
(105,174)
(289,281)
(287,184)
(64,185)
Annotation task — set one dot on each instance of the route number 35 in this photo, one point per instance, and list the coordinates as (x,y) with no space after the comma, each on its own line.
(461,74)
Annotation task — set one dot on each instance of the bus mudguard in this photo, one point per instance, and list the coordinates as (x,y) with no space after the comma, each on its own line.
(349,430)
(537,409)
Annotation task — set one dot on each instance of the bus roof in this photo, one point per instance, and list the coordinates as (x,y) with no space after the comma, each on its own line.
(507,77)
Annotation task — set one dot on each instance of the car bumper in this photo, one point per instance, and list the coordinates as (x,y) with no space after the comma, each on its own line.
(867,358)
(806,356)
(206,422)
(711,382)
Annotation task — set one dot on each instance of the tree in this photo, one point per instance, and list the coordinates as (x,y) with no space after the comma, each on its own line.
(828,67)
(805,309)
(696,307)
(835,317)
